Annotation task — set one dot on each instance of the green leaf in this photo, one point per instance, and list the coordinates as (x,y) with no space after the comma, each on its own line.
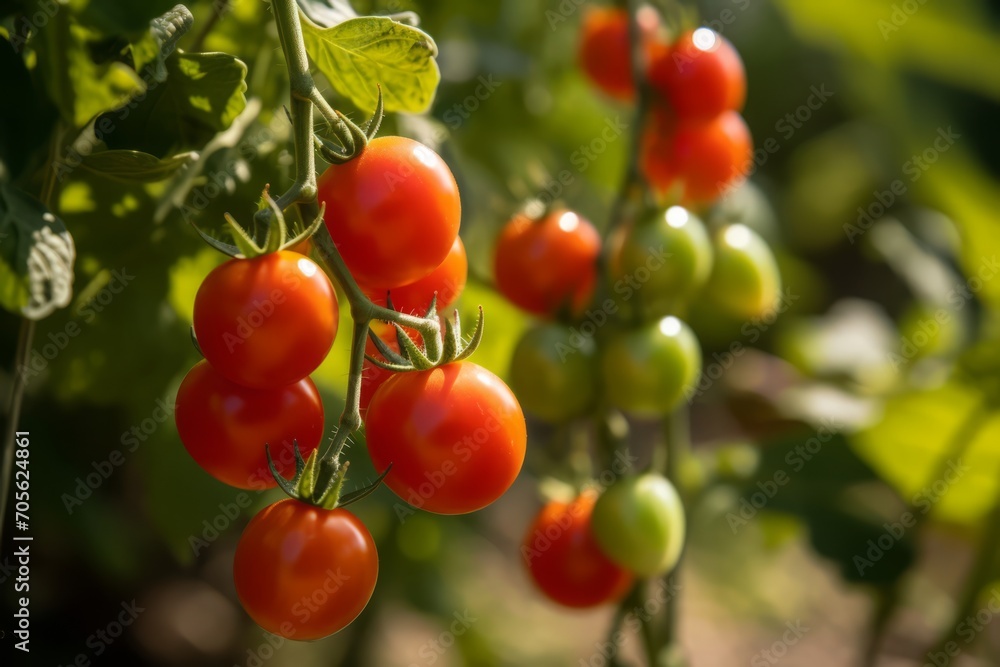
(79,87)
(202,95)
(359,53)
(134,166)
(919,430)
(36,256)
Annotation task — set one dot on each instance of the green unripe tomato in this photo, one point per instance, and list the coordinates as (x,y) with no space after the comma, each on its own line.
(639,523)
(660,261)
(649,370)
(554,372)
(745,279)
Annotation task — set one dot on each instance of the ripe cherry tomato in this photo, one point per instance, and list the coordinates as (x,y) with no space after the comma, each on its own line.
(604,51)
(393,211)
(224,426)
(639,523)
(701,76)
(447,281)
(455,436)
(548,264)
(745,279)
(267,321)
(564,560)
(554,372)
(303,572)
(372,376)
(703,158)
(647,371)
(661,260)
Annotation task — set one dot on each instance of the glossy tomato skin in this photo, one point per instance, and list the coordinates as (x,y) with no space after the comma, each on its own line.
(639,523)
(224,426)
(702,75)
(668,256)
(268,321)
(393,211)
(455,436)
(745,280)
(649,370)
(447,281)
(303,572)
(604,53)
(564,560)
(554,372)
(701,158)
(547,265)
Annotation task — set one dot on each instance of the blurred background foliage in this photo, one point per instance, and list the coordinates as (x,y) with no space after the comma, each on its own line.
(890,341)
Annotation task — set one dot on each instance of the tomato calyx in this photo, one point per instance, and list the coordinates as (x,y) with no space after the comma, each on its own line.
(450,345)
(276,235)
(352,137)
(319,480)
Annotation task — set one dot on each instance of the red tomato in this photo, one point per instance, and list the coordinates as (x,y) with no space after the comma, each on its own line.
(447,281)
(701,76)
(224,426)
(564,560)
(393,211)
(703,158)
(455,436)
(604,51)
(303,572)
(267,321)
(548,264)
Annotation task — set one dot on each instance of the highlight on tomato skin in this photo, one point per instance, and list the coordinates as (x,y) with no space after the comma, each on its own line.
(455,436)
(303,572)
(564,560)
(547,265)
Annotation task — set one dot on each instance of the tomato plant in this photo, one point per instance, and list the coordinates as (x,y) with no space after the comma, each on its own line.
(700,157)
(304,572)
(648,370)
(665,259)
(393,211)
(745,279)
(224,426)
(455,436)
(701,76)
(639,523)
(547,264)
(267,321)
(565,561)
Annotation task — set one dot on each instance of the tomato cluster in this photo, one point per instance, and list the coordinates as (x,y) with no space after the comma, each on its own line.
(450,436)
(695,143)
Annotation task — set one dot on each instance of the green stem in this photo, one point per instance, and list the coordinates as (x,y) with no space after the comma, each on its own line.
(21,359)
(676,446)
(891,598)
